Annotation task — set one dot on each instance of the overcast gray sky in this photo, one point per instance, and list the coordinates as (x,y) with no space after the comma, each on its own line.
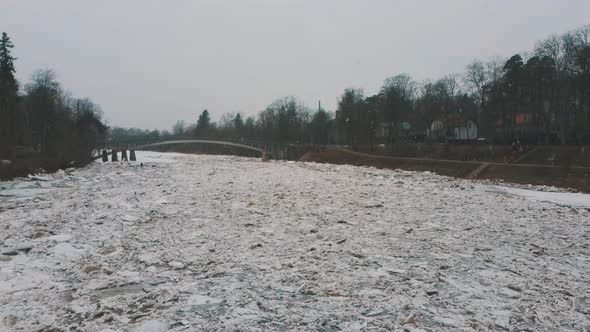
(149,63)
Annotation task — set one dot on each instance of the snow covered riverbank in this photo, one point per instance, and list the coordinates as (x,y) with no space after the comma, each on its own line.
(198,243)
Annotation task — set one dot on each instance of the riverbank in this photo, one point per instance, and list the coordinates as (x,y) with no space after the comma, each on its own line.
(568,177)
(554,166)
(11,169)
(563,167)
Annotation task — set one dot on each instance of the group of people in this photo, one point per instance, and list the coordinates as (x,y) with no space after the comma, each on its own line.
(517,146)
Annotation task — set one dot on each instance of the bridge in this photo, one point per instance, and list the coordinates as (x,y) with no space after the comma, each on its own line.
(264,154)
(265,150)
(200,141)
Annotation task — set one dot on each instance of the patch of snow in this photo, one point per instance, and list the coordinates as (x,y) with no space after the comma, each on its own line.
(149,157)
(202,300)
(129,274)
(578,200)
(59,238)
(129,218)
(148,258)
(161,201)
(152,326)
(67,250)
(176,265)
(38,177)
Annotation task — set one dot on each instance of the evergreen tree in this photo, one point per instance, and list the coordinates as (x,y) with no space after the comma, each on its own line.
(204,122)
(8,84)
(349,123)
(250,129)
(238,124)
(320,127)
(8,94)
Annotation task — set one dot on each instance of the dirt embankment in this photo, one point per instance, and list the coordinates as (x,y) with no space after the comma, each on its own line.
(577,178)
(10,169)
(23,167)
(551,155)
(340,156)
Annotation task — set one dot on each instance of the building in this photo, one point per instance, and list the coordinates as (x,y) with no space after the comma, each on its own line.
(455,127)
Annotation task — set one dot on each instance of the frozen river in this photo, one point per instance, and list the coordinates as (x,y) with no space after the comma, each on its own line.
(203,243)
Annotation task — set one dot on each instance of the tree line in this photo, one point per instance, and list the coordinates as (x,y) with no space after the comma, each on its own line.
(541,97)
(286,120)
(43,119)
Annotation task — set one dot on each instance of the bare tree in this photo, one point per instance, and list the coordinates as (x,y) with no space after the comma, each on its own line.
(494,69)
(226,121)
(451,82)
(403,84)
(178,128)
(477,78)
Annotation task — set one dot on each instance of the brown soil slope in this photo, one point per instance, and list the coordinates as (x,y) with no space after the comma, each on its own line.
(577,178)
